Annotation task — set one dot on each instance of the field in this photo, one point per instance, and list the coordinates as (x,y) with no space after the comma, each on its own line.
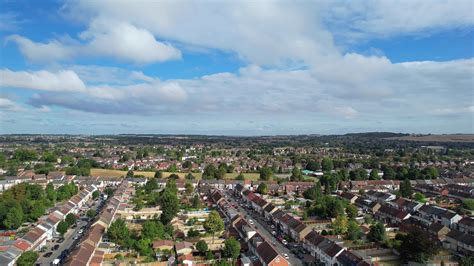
(119,173)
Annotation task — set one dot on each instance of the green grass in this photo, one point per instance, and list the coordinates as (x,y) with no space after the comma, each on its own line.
(120,173)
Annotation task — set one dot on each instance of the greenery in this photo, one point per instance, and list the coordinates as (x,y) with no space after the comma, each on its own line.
(262,189)
(231,248)
(468,204)
(296,174)
(416,246)
(91,213)
(354,232)
(70,219)
(27,202)
(351,211)
(405,188)
(201,246)
(266,173)
(169,202)
(213,224)
(62,227)
(27,258)
(377,233)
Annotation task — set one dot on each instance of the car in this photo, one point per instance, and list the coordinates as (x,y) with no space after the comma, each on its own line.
(60,240)
(48,254)
(81,231)
(286,256)
(55,247)
(273,227)
(284,242)
(274,233)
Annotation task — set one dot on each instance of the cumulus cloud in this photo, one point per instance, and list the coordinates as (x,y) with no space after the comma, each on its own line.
(118,40)
(42,80)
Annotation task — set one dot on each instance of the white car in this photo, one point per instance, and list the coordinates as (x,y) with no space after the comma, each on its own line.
(286,256)
(284,242)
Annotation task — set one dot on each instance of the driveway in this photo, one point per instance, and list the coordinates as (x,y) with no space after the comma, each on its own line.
(264,229)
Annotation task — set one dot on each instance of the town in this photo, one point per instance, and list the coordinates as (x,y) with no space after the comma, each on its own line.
(363,199)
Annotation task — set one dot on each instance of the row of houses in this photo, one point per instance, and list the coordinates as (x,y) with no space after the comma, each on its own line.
(87,253)
(45,229)
(321,248)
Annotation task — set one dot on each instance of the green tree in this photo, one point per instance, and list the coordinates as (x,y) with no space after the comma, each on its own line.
(201,246)
(389,173)
(262,189)
(14,218)
(351,211)
(354,231)
(169,205)
(189,188)
(151,185)
(374,174)
(158,174)
(91,213)
(313,165)
(467,261)
(377,233)
(151,230)
(62,227)
(420,197)
(95,194)
(313,193)
(340,225)
(143,247)
(70,219)
(296,174)
(27,258)
(231,248)
(327,164)
(213,224)
(118,232)
(416,246)
(240,177)
(405,188)
(209,172)
(266,173)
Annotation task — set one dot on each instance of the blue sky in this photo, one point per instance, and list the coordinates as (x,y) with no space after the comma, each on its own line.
(236,68)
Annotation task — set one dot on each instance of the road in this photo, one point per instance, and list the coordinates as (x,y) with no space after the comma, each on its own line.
(264,230)
(69,242)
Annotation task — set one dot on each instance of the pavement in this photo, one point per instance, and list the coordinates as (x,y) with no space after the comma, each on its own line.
(265,230)
(69,242)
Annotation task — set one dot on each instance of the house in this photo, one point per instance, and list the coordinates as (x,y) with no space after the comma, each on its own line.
(298,230)
(347,258)
(391,215)
(466,225)
(311,242)
(268,211)
(351,197)
(268,256)
(186,259)
(380,197)
(449,218)
(37,237)
(367,205)
(406,204)
(431,213)
(438,231)
(459,242)
(184,247)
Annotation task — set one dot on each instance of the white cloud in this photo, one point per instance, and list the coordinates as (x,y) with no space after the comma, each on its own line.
(9,105)
(42,80)
(453,110)
(118,40)
(375,19)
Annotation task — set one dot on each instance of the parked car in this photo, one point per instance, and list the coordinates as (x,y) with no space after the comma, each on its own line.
(284,242)
(60,240)
(55,247)
(48,254)
(286,256)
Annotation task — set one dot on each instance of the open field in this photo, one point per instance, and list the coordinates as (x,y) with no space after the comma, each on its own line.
(439,138)
(119,173)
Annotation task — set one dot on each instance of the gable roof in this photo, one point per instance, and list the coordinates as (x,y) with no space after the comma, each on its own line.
(267,252)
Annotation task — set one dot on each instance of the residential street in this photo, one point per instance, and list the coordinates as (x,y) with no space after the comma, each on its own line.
(69,242)
(265,230)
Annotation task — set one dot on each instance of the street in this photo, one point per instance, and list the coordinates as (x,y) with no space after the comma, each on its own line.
(69,242)
(265,230)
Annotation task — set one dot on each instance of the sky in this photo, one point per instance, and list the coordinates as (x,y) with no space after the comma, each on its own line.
(236,67)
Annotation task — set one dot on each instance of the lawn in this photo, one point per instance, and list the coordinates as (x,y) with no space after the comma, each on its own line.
(119,173)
